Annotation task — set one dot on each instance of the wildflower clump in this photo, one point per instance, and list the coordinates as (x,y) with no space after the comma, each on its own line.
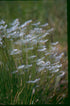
(29,62)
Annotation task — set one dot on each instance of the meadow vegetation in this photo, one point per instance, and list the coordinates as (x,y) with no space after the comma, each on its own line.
(33,52)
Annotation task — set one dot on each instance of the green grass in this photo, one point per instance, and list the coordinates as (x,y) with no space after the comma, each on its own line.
(26,80)
(13,87)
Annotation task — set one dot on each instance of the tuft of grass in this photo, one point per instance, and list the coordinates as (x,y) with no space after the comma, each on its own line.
(30,65)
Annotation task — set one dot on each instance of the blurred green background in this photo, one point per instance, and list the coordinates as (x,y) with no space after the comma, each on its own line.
(52,11)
